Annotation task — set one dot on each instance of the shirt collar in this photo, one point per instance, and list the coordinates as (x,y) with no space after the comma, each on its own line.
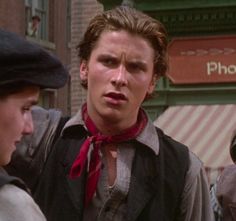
(147,137)
(74,121)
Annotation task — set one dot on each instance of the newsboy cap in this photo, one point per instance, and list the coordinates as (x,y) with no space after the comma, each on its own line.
(24,62)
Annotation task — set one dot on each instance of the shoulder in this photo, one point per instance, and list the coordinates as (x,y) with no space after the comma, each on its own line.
(170,142)
(196,169)
(173,151)
(16,204)
(12,195)
(193,165)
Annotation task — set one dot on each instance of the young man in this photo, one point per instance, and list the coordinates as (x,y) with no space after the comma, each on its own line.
(223,194)
(110,162)
(24,69)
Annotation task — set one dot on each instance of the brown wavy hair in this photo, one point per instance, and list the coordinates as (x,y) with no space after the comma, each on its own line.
(130,20)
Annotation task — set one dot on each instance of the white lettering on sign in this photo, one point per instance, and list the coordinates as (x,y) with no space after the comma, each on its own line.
(218,68)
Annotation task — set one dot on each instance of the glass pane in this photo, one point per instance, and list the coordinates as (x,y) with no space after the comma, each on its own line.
(47,99)
(42,4)
(28,3)
(36,12)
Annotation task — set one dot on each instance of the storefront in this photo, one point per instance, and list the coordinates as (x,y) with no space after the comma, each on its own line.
(196,102)
(205,126)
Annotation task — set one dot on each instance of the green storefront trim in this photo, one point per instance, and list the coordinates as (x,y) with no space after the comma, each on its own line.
(167,94)
(186,18)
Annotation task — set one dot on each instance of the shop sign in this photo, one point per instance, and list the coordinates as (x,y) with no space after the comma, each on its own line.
(202,60)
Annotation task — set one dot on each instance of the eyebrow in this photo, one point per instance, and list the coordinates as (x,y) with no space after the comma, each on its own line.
(138,62)
(106,55)
(32,101)
(132,60)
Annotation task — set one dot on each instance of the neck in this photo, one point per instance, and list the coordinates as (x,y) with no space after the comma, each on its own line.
(110,125)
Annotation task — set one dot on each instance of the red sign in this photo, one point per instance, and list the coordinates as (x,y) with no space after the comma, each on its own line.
(202,60)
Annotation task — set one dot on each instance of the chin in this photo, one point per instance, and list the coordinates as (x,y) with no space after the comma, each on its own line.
(5,161)
(112,115)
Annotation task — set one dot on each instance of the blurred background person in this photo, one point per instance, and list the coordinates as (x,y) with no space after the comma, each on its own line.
(33,26)
(223,192)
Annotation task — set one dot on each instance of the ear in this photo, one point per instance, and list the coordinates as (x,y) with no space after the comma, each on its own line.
(83,71)
(152,84)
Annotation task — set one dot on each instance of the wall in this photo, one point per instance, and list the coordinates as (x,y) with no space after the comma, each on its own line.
(81,13)
(12,16)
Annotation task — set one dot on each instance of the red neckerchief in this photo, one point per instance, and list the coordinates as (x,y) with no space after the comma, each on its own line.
(97,140)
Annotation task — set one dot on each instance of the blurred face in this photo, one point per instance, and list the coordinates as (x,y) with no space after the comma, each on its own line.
(35,22)
(119,75)
(15,120)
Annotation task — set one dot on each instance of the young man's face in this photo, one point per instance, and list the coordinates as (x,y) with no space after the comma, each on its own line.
(119,75)
(15,120)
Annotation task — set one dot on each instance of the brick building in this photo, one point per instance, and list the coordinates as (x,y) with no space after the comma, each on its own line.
(52,34)
(60,29)
(81,13)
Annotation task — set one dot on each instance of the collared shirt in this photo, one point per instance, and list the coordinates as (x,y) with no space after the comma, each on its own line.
(109,203)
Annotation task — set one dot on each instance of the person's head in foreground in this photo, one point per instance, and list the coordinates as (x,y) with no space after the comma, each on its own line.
(122,55)
(25,68)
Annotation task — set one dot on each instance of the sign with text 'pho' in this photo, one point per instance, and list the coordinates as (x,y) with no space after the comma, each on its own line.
(202,60)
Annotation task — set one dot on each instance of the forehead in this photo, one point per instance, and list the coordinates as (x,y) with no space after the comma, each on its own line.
(124,42)
(27,93)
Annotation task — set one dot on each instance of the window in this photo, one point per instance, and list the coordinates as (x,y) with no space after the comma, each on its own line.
(47,98)
(36,12)
(37,24)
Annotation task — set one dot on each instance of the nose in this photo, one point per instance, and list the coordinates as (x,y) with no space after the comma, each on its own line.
(119,77)
(29,125)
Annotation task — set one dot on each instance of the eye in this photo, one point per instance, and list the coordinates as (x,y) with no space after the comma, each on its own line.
(26,109)
(108,61)
(135,67)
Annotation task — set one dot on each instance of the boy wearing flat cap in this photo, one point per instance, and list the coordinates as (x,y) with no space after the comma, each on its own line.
(25,68)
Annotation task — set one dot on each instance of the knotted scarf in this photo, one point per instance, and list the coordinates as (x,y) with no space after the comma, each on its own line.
(98,139)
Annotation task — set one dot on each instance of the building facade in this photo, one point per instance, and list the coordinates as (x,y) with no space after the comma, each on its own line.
(81,13)
(196,102)
(47,23)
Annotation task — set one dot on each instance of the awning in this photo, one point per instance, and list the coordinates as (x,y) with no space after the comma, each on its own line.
(205,129)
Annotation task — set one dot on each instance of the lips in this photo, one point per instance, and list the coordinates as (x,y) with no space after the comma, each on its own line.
(116,96)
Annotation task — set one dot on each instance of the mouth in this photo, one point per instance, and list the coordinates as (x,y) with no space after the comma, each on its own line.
(115,98)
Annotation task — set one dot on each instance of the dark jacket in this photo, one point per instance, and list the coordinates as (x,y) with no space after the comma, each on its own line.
(155,189)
